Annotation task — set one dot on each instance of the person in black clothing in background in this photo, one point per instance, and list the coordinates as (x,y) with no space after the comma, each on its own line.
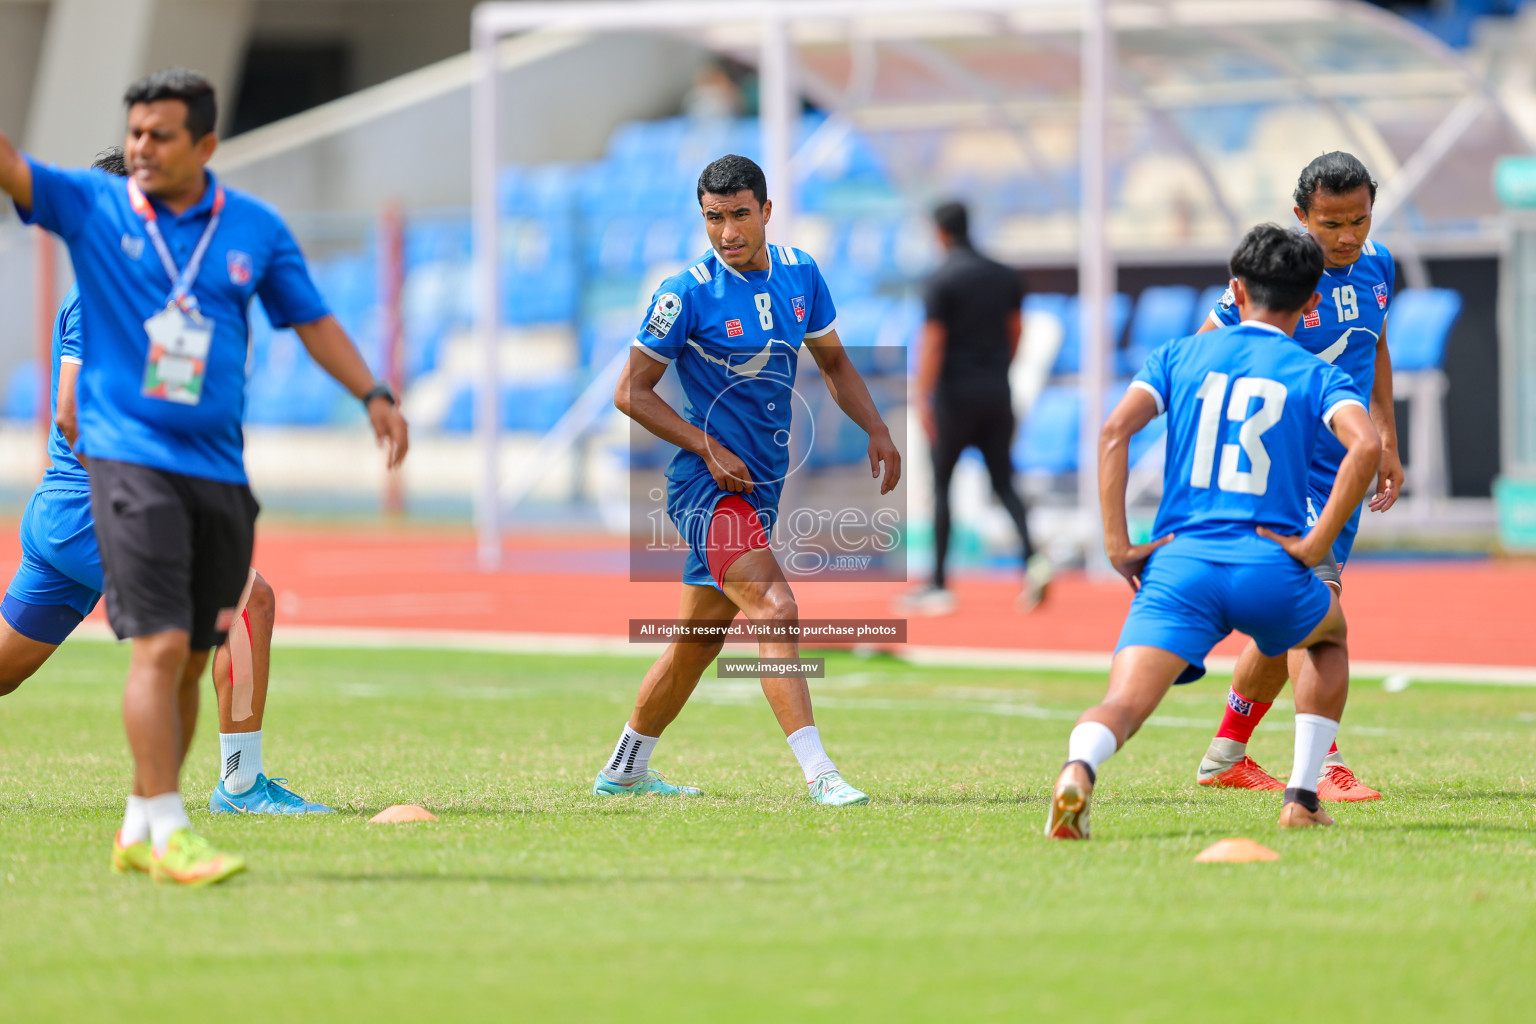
(974,325)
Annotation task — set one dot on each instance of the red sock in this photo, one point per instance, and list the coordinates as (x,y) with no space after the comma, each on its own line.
(1242,716)
(1335,748)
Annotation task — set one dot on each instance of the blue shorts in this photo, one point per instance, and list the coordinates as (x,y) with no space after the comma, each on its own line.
(1344,543)
(59,580)
(1186,605)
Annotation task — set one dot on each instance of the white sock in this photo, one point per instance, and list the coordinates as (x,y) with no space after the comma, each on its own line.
(166,815)
(240,757)
(135,822)
(631,757)
(1314,735)
(1093,743)
(814,762)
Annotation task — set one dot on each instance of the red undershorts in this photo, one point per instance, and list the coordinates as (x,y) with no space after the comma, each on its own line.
(734,529)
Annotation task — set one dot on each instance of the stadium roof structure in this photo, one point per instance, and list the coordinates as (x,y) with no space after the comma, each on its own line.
(1166,126)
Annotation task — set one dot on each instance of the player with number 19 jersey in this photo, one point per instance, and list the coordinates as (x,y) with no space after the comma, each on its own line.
(735,339)
(1344,330)
(1244,407)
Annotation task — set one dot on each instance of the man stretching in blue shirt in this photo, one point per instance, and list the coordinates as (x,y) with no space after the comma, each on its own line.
(167,263)
(1244,404)
(733,325)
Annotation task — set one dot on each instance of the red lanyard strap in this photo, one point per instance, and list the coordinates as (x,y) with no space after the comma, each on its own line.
(183,278)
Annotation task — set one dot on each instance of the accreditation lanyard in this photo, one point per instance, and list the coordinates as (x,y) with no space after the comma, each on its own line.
(183,278)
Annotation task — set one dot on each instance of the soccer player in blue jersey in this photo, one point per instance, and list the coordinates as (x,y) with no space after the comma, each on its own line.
(1243,404)
(167,263)
(59,581)
(1334,196)
(733,325)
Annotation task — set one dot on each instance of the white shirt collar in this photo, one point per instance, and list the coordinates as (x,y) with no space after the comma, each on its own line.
(716,253)
(1263,326)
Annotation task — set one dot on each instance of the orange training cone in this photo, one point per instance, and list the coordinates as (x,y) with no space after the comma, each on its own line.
(1235,851)
(401,812)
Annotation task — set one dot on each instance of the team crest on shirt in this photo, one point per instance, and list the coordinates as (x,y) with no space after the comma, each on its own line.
(1312,319)
(733,328)
(1381,294)
(798,304)
(668,307)
(239,268)
(133,246)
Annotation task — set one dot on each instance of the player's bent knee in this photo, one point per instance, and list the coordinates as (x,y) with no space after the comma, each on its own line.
(780,607)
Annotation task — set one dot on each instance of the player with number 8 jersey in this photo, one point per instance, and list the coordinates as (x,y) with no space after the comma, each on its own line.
(733,327)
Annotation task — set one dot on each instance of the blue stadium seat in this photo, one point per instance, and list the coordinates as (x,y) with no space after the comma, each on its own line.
(1162,314)
(1207,302)
(1419,323)
(531,407)
(1047,443)
(1069,356)
(21,392)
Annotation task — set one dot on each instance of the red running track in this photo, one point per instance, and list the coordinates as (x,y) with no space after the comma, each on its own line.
(1480,612)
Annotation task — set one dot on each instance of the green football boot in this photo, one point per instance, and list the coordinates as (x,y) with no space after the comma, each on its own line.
(650,782)
(830,789)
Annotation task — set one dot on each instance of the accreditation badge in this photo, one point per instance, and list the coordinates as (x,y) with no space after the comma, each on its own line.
(179,341)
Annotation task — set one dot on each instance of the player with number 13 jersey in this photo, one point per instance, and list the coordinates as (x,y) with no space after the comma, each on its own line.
(1335,196)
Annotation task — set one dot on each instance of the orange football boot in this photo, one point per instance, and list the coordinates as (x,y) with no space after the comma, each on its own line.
(1244,774)
(1338,783)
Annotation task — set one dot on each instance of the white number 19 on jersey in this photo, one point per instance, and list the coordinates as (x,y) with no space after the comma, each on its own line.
(1213,389)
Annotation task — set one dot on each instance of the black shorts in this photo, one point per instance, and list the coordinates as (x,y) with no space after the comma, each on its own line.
(175,550)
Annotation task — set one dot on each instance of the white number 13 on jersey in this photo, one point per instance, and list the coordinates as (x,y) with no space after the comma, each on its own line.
(1271,394)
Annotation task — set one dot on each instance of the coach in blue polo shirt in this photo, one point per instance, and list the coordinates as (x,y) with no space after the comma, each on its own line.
(167,263)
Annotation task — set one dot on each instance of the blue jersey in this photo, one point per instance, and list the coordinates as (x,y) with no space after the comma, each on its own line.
(64,470)
(734,340)
(1244,404)
(1344,330)
(123,283)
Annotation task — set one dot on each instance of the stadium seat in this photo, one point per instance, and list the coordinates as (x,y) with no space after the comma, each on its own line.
(1162,314)
(1203,306)
(525,406)
(1069,356)
(21,392)
(1047,443)
(1048,439)
(1418,326)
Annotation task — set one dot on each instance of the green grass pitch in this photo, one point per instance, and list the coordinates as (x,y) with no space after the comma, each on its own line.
(532,900)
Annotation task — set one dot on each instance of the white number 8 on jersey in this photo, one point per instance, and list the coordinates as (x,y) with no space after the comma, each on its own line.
(764,310)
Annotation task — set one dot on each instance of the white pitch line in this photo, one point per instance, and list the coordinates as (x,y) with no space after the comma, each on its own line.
(957,657)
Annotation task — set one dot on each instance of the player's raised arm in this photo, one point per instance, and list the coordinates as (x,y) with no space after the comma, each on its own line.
(329,346)
(15,173)
(635,396)
(1352,426)
(852,396)
(1138,408)
(1389,478)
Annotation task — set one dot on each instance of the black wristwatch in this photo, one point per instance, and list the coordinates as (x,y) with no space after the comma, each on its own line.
(380,390)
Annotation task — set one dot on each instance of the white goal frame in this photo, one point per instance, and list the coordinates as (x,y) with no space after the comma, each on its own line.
(778,93)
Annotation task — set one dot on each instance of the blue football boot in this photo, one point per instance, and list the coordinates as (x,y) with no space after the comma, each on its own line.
(268,796)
